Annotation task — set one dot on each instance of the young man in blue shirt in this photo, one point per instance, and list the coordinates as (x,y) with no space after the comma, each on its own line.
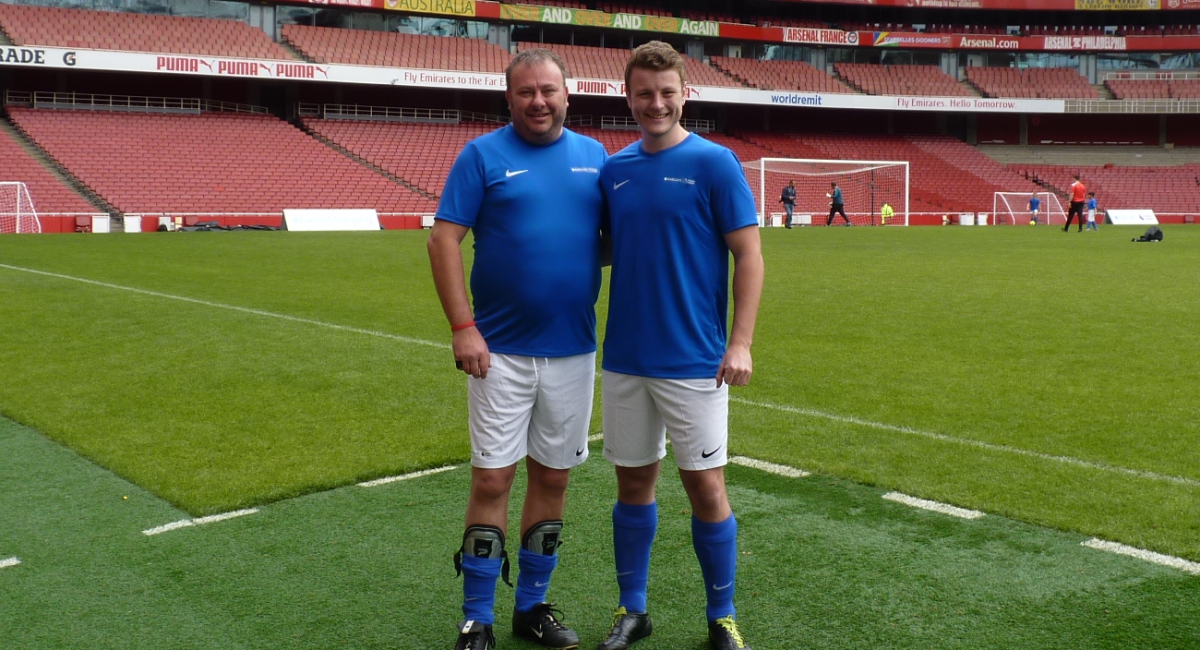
(1034,204)
(530,193)
(678,207)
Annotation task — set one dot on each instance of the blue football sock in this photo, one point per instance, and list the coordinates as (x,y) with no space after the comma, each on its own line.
(479,587)
(634,528)
(716,548)
(534,578)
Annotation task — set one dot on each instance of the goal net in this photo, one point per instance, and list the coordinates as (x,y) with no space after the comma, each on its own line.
(1013,208)
(866,186)
(16,209)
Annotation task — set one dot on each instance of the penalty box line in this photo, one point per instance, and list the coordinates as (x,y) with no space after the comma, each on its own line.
(1066,460)
(941,437)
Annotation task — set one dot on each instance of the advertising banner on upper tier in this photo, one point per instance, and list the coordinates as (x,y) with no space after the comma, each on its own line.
(138,62)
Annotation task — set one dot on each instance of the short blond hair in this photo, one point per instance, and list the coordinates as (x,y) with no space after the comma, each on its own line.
(657,56)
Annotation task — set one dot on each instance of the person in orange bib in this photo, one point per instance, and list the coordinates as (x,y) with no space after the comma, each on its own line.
(1078,196)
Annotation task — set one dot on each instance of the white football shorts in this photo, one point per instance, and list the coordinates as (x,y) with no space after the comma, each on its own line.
(640,413)
(532,406)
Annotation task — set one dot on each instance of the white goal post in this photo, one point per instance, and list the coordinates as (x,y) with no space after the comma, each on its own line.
(16,209)
(866,185)
(1013,208)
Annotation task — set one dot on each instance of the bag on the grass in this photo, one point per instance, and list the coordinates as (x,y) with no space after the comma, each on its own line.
(1153,233)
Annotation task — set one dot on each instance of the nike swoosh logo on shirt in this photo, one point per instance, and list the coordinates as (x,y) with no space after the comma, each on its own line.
(510,173)
(617,186)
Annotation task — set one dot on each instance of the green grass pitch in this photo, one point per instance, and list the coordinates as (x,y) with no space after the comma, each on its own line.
(1049,378)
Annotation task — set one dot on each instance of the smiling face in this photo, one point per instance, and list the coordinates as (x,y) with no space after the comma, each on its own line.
(655,98)
(537,99)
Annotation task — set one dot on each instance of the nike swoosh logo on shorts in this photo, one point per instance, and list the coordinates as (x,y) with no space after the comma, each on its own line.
(510,173)
(579,453)
(617,186)
(706,454)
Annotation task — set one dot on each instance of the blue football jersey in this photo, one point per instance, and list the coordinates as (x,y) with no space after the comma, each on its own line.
(668,215)
(535,215)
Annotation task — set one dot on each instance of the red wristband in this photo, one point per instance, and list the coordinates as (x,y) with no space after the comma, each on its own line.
(462,326)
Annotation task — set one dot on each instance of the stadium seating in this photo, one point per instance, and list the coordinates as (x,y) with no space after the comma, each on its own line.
(219,163)
(613,140)
(779,75)
(418,153)
(1050,83)
(1140,89)
(1174,189)
(49,194)
(108,30)
(365,47)
(587,62)
(919,80)
(946,175)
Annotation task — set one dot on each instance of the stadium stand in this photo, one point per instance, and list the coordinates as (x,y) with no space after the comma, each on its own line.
(779,75)
(945,173)
(418,153)
(50,195)
(587,62)
(219,163)
(1050,83)
(109,30)
(920,80)
(613,140)
(1139,89)
(365,47)
(1166,190)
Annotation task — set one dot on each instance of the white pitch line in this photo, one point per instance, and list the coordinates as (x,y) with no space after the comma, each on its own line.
(1149,556)
(244,310)
(934,506)
(9,561)
(404,477)
(184,523)
(772,468)
(1066,460)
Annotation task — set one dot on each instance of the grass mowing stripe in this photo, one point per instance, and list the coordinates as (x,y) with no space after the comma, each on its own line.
(404,477)
(200,521)
(772,468)
(1149,556)
(1067,460)
(244,310)
(9,561)
(933,506)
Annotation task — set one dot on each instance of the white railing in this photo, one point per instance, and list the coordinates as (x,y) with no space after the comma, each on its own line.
(1173,75)
(622,123)
(45,99)
(1132,105)
(393,113)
